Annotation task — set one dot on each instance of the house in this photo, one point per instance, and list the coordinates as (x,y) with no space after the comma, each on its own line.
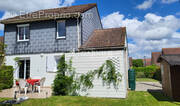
(40,38)
(154,57)
(130,62)
(147,61)
(170,72)
(1,39)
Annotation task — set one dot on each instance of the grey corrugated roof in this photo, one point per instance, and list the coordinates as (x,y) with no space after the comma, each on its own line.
(171,59)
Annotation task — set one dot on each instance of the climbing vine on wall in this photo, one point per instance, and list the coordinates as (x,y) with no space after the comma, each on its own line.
(68,82)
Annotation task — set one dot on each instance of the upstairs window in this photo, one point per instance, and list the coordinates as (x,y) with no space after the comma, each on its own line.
(61,29)
(23,32)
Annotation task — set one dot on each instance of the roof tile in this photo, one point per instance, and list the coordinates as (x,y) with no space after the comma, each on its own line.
(106,39)
(166,51)
(48,14)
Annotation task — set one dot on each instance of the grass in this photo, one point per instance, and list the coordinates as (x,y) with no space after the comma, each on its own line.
(146,80)
(134,99)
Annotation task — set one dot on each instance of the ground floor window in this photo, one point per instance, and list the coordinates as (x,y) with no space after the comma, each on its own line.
(24,69)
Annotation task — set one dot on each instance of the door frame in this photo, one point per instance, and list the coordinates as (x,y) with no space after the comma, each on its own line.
(25,69)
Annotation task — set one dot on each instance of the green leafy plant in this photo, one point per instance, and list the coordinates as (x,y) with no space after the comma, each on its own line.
(152,71)
(2,53)
(137,63)
(62,82)
(6,77)
(17,60)
(157,74)
(67,82)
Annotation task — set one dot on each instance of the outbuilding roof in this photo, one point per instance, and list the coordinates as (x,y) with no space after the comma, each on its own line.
(167,51)
(113,38)
(170,59)
(47,14)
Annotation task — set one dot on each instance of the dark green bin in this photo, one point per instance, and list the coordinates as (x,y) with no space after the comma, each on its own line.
(132,79)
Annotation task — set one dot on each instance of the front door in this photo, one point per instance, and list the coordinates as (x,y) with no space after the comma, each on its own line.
(24,69)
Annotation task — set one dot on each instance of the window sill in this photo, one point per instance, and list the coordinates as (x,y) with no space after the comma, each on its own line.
(63,37)
(22,40)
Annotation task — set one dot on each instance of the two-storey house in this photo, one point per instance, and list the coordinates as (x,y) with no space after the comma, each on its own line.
(40,38)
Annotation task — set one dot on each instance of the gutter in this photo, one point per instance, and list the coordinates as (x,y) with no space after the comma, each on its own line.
(25,19)
(105,48)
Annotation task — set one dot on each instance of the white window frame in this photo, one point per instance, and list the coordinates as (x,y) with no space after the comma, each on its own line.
(57,36)
(18,26)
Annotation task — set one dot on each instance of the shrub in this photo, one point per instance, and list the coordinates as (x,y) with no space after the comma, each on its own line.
(6,77)
(157,74)
(148,71)
(137,63)
(140,75)
(62,83)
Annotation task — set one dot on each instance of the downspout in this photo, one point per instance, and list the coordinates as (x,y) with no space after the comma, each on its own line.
(78,30)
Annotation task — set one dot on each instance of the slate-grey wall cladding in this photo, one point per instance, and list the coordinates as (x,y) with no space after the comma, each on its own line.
(90,22)
(42,38)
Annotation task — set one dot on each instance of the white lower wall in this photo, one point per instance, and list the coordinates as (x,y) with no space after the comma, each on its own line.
(86,61)
(38,67)
(82,62)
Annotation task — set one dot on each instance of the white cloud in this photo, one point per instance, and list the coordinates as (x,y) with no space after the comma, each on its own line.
(169,1)
(68,2)
(148,3)
(178,13)
(145,5)
(32,5)
(24,5)
(151,34)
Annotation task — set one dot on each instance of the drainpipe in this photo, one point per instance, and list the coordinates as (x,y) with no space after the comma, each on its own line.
(78,30)
(25,68)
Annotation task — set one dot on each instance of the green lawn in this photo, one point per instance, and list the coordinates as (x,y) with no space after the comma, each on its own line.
(133,99)
(146,80)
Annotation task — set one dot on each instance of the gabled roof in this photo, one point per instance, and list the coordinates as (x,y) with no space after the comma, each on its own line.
(167,51)
(113,38)
(48,14)
(170,59)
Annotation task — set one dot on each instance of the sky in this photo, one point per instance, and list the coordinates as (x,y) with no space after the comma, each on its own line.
(151,24)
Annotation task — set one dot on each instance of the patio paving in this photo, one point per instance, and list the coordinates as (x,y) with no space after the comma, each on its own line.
(146,86)
(9,93)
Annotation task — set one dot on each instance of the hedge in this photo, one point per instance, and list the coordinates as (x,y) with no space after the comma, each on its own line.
(152,71)
(6,77)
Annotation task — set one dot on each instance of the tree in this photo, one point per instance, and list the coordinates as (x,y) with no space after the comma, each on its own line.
(2,53)
(138,63)
(62,82)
